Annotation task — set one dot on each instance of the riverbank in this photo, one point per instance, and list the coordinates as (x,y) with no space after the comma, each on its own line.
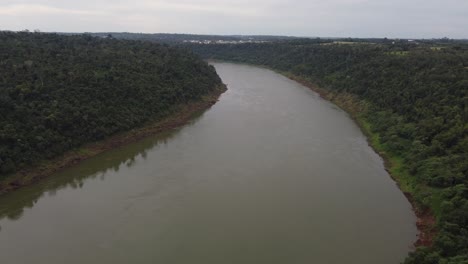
(289,166)
(178,117)
(356,108)
(426,220)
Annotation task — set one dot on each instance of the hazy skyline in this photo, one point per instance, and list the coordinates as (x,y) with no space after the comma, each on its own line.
(332,18)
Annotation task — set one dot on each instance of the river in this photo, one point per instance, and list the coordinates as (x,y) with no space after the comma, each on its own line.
(272,173)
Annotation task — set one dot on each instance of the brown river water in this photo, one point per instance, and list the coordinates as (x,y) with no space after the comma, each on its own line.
(271,174)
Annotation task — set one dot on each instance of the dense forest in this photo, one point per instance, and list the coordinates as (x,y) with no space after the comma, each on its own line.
(414,98)
(58,92)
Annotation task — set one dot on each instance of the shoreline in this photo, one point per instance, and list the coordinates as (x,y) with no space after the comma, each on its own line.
(425,219)
(182,114)
(179,116)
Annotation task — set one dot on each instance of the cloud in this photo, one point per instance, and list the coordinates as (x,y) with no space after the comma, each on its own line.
(40,10)
(216,7)
(354,18)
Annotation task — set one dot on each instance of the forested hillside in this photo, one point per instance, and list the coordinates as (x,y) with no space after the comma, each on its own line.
(59,92)
(414,99)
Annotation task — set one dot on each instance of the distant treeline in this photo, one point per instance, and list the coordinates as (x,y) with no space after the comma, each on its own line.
(171,38)
(416,96)
(179,38)
(58,92)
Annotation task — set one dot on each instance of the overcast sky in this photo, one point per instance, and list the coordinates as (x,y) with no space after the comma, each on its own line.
(324,18)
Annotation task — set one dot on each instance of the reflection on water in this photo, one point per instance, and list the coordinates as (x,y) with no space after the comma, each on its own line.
(13,204)
(270,174)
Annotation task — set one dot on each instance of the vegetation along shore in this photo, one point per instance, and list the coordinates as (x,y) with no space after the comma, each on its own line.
(67,98)
(410,100)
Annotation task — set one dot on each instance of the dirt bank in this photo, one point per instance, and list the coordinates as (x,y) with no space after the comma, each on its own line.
(181,115)
(426,222)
